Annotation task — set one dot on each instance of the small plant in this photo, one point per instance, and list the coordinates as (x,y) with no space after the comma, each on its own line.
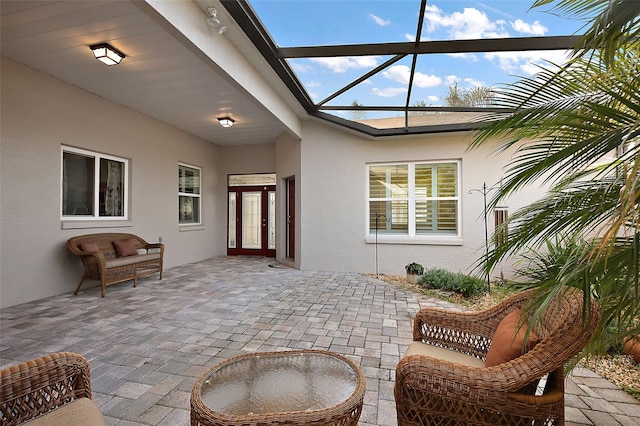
(442,279)
(414,268)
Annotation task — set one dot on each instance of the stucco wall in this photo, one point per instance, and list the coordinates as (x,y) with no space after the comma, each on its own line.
(288,166)
(247,159)
(334,219)
(39,114)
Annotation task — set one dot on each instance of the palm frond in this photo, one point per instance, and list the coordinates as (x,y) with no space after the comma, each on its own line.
(576,129)
(608,24)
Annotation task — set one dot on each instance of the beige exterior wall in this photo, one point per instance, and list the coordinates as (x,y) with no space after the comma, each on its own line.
(39,114)
(247,159)
(288,166)
(334,204)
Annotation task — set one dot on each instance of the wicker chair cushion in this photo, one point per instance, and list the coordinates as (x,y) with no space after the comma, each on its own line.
(504,347)
(125,247)
(82,411)
(419,348)
(89,247)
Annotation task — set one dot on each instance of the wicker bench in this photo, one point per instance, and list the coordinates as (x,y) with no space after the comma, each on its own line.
(116,257)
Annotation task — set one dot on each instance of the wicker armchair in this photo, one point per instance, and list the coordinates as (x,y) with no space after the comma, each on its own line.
(52,390)
(433,391)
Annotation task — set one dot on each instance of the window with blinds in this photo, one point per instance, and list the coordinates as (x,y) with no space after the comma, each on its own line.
(414,198)
(500,216)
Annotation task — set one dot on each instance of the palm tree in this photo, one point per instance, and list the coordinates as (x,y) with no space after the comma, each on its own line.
(577,127)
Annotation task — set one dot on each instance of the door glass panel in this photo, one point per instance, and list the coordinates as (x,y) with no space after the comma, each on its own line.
(232,220)
(272,220)
(251,220)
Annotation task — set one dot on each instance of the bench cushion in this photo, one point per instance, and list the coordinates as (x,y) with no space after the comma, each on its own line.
(131,260)
(81,412)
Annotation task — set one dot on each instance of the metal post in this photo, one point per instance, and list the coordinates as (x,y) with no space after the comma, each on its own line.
(378,216)
(484,191)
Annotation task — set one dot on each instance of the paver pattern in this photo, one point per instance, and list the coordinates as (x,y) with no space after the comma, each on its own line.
(148,345)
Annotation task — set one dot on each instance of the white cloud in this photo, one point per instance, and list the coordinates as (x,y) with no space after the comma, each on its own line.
(401,73)
(473,82)
(433,98)
(534,29)
(379,21)
(342,64)
(494,10)
(314,84)
(425,80)
(526,63)
(450,80)
(472,57)
(301,68)
(468,24)
(389,92)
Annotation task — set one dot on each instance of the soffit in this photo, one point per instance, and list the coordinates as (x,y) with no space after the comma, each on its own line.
(160,77)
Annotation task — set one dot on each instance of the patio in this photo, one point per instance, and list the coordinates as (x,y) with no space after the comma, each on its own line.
(147,345)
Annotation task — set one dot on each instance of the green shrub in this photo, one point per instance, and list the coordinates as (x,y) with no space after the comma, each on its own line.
(442,279)
(414,268)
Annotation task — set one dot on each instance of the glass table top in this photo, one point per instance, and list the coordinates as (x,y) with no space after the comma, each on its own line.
(279,382)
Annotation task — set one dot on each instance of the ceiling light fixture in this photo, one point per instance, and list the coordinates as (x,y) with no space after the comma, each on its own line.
(226,121)
(213,20)
(107,54)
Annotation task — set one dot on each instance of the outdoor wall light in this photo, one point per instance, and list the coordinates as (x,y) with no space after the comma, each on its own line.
(226,121)
(213,20)
(107,54)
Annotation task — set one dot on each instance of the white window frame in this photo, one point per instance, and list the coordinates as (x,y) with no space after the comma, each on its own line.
(411,236)
(97,156)
(197,196)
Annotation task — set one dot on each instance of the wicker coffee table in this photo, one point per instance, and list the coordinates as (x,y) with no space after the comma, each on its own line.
(279,388)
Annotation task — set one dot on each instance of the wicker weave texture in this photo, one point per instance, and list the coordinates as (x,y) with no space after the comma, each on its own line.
(36,387)
(96,264)
(346,413)
(437,392)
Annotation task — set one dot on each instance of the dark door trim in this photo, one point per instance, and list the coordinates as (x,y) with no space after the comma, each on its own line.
(264,249)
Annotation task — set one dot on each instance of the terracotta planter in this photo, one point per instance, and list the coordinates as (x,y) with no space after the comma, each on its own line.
(632,347)
(413,278)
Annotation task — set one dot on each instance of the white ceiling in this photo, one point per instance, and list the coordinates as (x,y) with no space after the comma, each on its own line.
(160,76)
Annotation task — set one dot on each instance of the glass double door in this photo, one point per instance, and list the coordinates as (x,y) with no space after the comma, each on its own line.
(252,220)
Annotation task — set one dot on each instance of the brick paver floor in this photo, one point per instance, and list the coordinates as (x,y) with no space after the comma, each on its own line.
(147,345)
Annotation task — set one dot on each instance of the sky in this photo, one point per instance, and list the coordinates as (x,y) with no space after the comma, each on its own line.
(332,22)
